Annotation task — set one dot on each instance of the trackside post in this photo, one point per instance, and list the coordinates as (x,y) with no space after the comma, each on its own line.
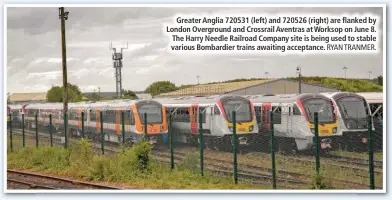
(316,142)
(370,152)
(23,131)
(145,127)
(102,134)
(50,130)
(201,144)
(10,116)
(82,124)
(234,142)
(272,149)
(171,143)
(65,130)
(123,127)
(36,130)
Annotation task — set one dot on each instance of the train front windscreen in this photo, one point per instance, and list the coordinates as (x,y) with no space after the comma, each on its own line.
(322,106)
(154,113)
(353,111)
(242,108)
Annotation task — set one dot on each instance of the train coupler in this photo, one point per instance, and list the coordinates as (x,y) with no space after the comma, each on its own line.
(326,143)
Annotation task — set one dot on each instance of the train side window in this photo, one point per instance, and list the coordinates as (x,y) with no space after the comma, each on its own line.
(258,113)
(109,116)
(277,114)
(93,116)
(203,114)
(181,115)
(296,110)
(216,110)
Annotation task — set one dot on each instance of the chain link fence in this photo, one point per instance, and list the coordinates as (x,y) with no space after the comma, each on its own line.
(286,152)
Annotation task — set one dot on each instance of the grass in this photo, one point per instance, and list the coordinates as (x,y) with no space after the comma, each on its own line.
(99,167)
(378,156)
(284,163)
(133,166)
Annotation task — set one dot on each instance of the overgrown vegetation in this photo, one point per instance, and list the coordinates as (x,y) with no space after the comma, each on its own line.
(133,166)
(318,182)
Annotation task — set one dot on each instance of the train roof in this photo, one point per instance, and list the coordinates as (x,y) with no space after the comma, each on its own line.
(337,95)
(284,98)
(189,100)
(372,97)
(86,105)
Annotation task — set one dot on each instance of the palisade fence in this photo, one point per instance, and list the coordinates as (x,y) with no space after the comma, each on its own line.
(269,158)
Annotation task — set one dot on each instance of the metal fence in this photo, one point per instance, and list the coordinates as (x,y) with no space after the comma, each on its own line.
(284,153)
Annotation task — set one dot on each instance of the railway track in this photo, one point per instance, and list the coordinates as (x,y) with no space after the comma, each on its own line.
(41,181)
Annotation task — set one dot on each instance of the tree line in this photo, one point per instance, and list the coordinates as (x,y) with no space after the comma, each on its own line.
(55,93)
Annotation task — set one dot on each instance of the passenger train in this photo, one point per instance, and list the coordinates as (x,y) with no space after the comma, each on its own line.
(353,110)
(111,112)
(294,119)
(375,101)
(217,124)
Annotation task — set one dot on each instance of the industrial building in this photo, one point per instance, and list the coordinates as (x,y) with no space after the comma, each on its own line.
(254,87)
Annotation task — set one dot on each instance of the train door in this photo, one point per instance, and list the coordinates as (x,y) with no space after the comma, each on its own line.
(265,109)
(289,119)
(79,117)
(118,120)
(97,121)
(193,118)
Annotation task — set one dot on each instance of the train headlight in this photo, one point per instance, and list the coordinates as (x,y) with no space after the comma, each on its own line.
(161,128)
(334,130)
(312,129)
(251,128)
(231,128)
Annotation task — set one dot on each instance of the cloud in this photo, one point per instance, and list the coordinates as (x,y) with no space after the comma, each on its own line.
(34,50)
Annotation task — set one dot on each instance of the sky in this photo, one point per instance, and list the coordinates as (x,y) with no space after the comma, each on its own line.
(34,50)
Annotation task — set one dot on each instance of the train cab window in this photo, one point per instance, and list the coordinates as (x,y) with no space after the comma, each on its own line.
(277,114)
(296,110)
(216,110)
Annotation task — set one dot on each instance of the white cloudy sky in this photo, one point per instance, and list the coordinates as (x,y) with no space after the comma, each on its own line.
(34,50)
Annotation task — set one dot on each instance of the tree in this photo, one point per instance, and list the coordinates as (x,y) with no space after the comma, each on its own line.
(160,87)
(128,94)
(55,94)
(95,97)
(379,80)
(8,98)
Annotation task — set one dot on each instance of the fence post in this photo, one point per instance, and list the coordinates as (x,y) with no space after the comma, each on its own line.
(102,134)
(123,127)
(171,143)
(272,149)
(316,142)
(82,124)
(36,130)
(65,130)
(234,141)
(10,115)
(370,152)
(201,143)
(145,127)
(50,130)
(23,131)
